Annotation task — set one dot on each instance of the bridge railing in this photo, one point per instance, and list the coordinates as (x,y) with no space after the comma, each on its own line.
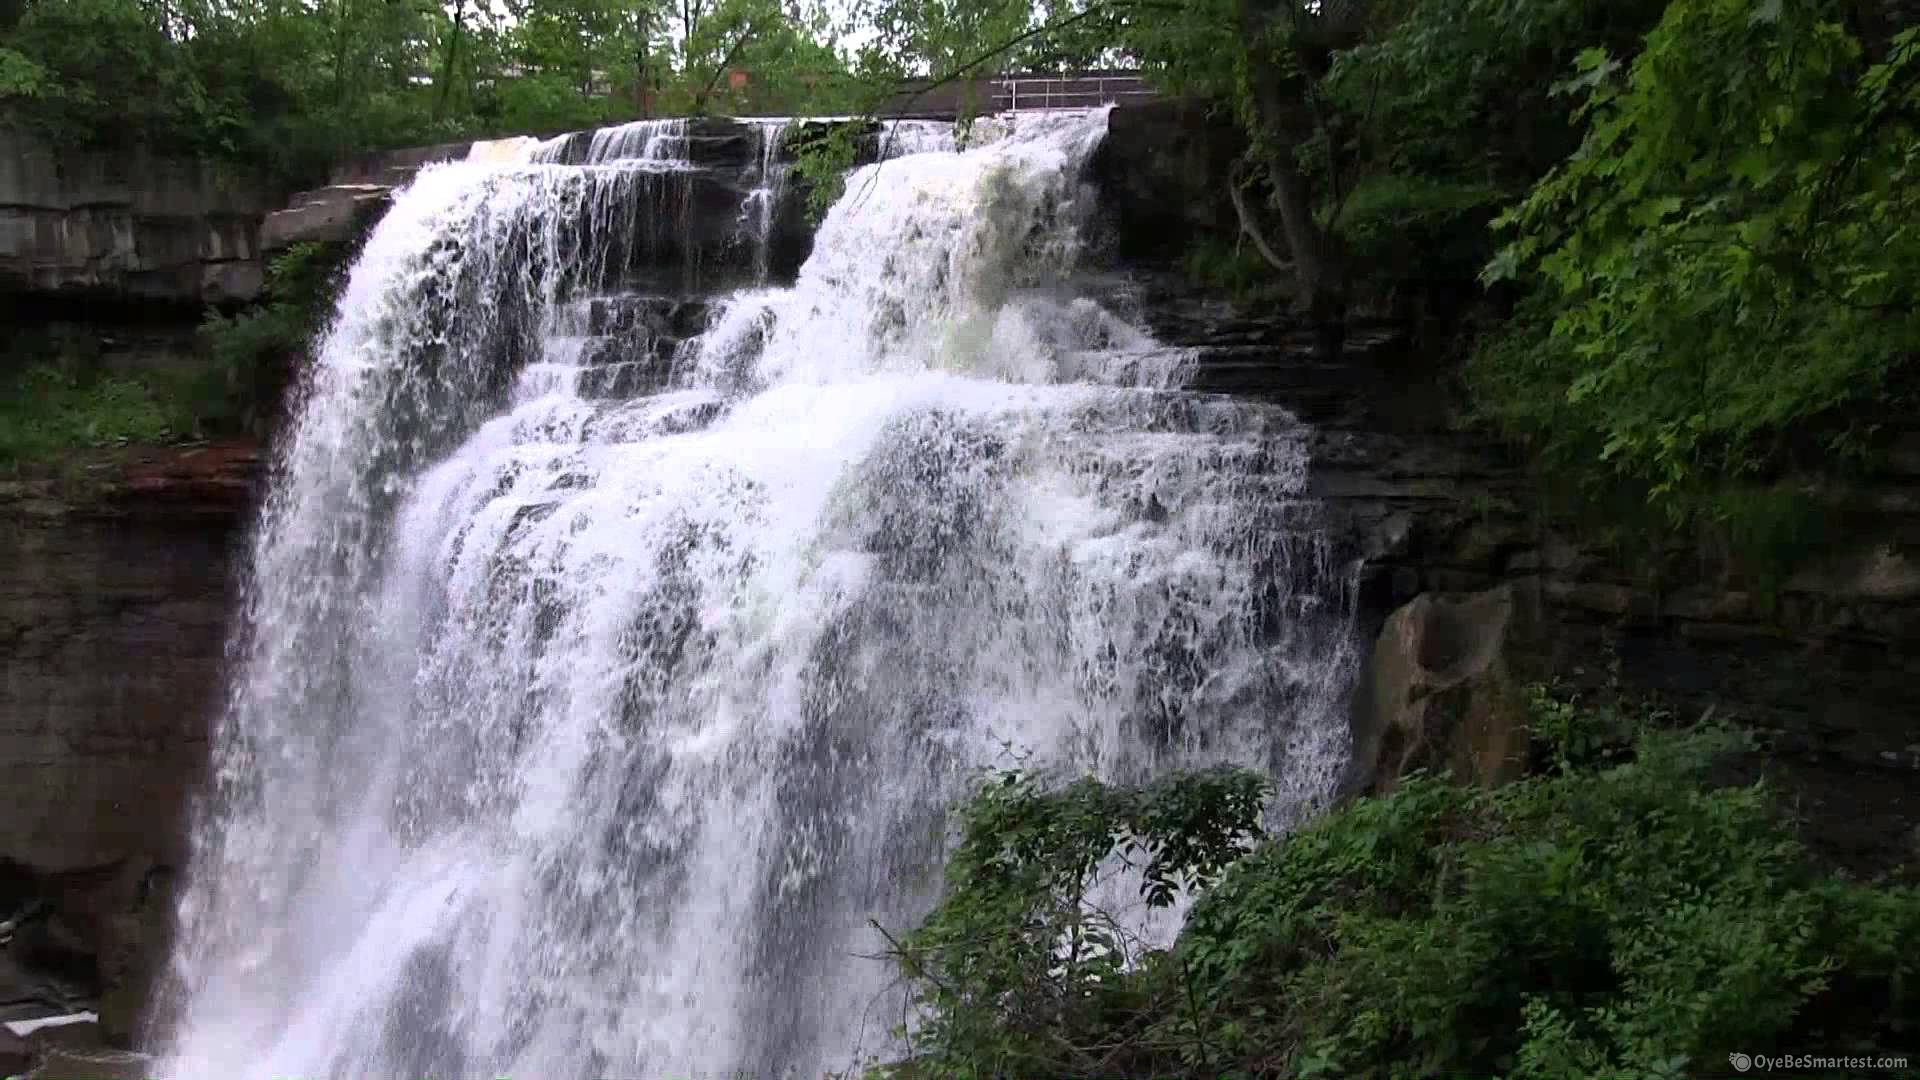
(1069,92)
(1008,93)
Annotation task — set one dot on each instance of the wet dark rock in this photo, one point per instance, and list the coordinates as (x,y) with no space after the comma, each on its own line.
(114,607)
(1162,177)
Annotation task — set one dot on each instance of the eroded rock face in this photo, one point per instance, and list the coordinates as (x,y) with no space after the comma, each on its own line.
(126,225)
(114,600)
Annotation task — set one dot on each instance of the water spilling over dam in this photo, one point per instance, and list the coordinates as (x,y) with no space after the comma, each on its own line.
(613,649)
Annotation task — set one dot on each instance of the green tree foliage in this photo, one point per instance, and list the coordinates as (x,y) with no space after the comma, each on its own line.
(283,82)
(1616,917)
(297,84)
(252,353)
(1728,262)
(1016,969)
(785,54)
(1439,113)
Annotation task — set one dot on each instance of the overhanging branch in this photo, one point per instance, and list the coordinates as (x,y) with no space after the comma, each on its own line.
(1251,227)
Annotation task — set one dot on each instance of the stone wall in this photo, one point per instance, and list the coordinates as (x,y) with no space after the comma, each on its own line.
(127,225)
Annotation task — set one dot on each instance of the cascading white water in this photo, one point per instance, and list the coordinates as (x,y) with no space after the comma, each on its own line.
(660,142)
(763,200)
(595,692)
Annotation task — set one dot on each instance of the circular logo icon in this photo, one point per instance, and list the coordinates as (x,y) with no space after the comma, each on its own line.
(1741,1062)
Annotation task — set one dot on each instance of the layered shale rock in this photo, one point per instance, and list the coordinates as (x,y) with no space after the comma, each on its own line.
(114,600)
(127,224)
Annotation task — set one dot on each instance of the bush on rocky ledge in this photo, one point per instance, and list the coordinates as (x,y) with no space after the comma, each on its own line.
(1615,915)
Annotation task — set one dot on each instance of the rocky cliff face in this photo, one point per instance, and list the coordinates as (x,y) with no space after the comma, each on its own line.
(1822,666)
(126,225)
(114,596)
(1468,592)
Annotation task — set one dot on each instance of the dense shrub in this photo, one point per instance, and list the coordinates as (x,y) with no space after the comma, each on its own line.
(253,353)
(1615,918)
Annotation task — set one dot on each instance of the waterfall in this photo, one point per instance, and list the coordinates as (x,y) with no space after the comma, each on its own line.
(610,659)
(763,201)
(660,142)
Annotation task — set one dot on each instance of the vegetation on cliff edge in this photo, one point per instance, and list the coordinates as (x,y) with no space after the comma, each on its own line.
(59,394)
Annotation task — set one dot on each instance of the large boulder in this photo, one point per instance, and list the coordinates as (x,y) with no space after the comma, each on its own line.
(1439,694)
(337,214)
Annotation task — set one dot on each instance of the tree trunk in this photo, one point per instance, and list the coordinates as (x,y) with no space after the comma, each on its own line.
(640,77)
(1318,268)
(453,58)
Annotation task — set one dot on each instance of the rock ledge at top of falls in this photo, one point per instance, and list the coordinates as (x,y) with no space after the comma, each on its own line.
(699,245)
(126,224)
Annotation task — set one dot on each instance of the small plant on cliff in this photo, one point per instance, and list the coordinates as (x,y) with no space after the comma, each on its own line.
(822,160)
(1617,918)
(254,350)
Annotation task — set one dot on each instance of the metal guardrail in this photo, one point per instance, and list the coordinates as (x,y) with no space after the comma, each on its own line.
(1069,92)
(1010,93)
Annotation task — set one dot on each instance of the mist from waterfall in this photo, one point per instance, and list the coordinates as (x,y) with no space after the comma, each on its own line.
(609,660)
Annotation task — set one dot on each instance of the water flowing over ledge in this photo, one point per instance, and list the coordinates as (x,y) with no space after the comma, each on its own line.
(611,658)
